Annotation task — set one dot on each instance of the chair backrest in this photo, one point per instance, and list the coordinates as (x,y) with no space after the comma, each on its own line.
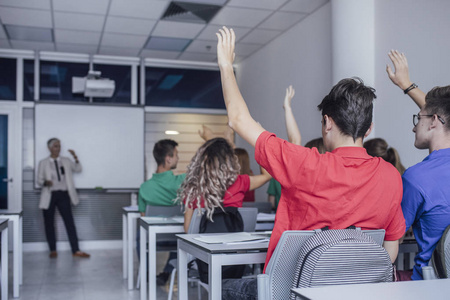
(194,226)
(440,260)
(282,265)
(262,206)
(249,216)
(163,211)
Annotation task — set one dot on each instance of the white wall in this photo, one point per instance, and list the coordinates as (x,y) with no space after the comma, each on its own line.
(420,29)
(301,57)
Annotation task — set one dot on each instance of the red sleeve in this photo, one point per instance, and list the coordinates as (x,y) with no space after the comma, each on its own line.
(397,225)
(283,160)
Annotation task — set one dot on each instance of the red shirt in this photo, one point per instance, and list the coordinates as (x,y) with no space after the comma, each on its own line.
(337,189)
(249,196)
(234,196)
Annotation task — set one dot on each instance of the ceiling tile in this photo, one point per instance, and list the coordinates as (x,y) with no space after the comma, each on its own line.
(305,6)
(246,49)
(128,25)
(138,8)
(26,17)
(123,51)
(2,33)
(82,6)
(208,47)
(160,54)
(77,48)
(77,37)
(282,20)
(209,33)
(260,36)
(33,45)
(197,57)
(262,4)
(26,33)
(75,21)
(123,40)
(177,29)
(169,44)
(38,4)
(4,43)
(241,17)
(212,2)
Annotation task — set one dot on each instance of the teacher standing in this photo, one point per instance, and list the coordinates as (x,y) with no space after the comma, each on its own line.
(58,191)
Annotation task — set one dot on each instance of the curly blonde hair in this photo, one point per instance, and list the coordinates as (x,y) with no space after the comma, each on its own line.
(212,170)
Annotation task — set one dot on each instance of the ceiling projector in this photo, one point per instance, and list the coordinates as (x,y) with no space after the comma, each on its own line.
(93,85)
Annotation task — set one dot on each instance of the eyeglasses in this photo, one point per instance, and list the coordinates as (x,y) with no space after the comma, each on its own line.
(416,118)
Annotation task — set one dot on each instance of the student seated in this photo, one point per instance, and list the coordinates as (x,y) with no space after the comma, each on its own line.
(340,188)
(426,189)
(380,148)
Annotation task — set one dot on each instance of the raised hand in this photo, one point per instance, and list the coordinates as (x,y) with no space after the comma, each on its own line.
(400,77)
(73,154)
(290,92)
(225,46)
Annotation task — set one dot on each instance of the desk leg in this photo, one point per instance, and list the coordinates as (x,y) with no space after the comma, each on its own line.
(124,246)
(215,277)
(21,250)
(151,264)
(182,274)
(4,262)
(16,266)
(130,252)
(143,264)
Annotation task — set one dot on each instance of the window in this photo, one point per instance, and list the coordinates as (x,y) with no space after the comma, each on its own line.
(8,76)
(122,77)
(28,80)
(56,80)
(183,88)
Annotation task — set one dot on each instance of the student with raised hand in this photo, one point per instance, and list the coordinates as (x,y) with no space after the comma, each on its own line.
(426,192)
(337,189)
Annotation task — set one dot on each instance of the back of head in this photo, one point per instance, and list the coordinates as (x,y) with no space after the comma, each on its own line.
(437,101)
(379,148)
(244,161)
(162,149)
(350,105)
(316,143)
(212,170)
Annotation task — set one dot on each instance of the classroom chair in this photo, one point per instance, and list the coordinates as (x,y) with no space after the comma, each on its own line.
(262,206)
(439,265)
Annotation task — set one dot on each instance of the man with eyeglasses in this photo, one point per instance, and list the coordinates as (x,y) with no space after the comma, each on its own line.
(426,188)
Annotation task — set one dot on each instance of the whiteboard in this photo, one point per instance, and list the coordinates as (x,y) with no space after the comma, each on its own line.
(108,140)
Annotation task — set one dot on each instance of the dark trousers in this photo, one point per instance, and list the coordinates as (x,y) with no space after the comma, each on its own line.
(60,200)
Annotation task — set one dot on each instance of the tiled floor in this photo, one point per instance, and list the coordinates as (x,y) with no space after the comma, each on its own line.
(68,278)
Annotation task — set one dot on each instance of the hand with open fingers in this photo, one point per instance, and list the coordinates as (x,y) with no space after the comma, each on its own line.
(290,92)
(225,46)
(206,134)
(400,77)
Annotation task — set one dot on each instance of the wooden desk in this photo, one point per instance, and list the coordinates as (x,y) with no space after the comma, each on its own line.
(405,290)
(216,256)
(4,258)
(15,216)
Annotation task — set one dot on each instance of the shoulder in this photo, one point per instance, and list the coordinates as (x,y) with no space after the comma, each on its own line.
(415,173)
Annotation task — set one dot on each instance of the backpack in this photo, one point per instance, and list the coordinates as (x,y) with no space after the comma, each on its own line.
(341,256)
(227,220)
(439,260)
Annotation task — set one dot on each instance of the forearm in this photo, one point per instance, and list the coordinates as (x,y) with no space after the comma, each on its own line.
(239,117)
(258,180)
(292,127)
(418,97)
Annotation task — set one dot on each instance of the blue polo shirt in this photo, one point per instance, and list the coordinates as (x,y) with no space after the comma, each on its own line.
(426,204)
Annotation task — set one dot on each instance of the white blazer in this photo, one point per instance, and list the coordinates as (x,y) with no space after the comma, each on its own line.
(44,171)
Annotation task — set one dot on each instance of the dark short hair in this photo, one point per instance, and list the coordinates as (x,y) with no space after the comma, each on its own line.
(51,141)
(437,101)
(350,104)
(162,149)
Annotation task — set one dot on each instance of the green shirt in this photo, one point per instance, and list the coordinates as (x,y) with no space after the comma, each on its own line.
(274,190)
(161,190)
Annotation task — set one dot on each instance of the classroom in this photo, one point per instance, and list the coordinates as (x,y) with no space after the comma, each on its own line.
(153,66)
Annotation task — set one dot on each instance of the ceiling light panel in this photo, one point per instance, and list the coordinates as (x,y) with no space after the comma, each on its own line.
(75,21)
(138,8)
(129,25)
(168,44)
(81,6)
(25,33)
(241,17)
(26,17)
